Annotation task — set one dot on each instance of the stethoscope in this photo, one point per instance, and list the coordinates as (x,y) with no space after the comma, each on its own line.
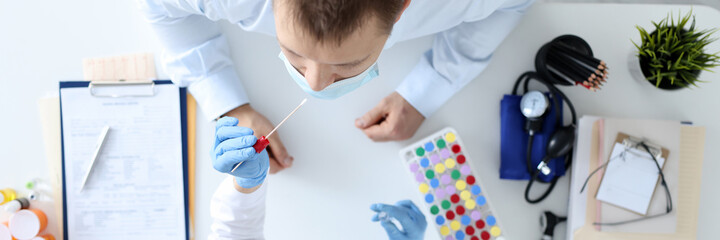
(548,221)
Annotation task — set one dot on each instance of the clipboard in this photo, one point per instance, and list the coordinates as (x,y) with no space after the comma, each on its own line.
(691,144)
(147,90)
(634,142)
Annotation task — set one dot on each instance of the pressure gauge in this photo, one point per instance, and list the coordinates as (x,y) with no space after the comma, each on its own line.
(533,104)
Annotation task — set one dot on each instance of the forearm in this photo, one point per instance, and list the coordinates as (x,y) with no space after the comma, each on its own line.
(245,190)
(457,57)
(196,54)
(237,215)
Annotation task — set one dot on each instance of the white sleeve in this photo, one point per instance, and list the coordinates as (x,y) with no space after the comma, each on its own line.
(458,55)
(237,215)
(196,55)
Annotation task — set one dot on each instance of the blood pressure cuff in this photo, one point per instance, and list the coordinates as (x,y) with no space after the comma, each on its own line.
(514,140)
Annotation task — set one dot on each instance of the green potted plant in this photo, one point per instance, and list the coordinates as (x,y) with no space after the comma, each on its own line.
(672,56)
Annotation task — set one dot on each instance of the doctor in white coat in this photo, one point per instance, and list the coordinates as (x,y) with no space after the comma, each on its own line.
(238,205)
(330,47)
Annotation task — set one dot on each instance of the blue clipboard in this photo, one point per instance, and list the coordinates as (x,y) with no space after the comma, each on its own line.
(184,140)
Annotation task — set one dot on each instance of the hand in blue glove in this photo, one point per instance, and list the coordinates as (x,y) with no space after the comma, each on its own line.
(233,145)
(412,220)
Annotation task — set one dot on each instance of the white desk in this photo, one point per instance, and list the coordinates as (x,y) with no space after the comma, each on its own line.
(338,172)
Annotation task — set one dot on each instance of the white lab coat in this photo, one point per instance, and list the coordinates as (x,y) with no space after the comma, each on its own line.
(237,215)
(197,54)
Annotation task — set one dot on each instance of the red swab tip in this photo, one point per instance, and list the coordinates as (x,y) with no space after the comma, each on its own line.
(261,144)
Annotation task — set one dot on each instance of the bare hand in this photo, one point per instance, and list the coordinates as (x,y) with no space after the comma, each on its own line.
(248,117)
(392,119)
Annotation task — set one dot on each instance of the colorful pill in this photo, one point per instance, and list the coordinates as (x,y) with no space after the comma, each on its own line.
(455,174)
(456,148)
(475,189)
(495,231)
(461,159)
(459,235)
(450,215)
(470,179)
(481,200)
(430,174)
(420,152)
(419,177)
(434,209)
(429,147)
(439,168)
(429,198)
(470,230)
(485,235)
(455,225)
(414,167)
(465,220)
(470,204)
(490,220)
(445,204)
(450,163)
(441,143)
(454,198)
(434,183)
(440,220)
(465,170)
(444,153)
(460,185)
(450,190)
(444,230)
(476,215)
(424,162)
(440,194)
(460,210)
(424,188)
(450,137)
(474,238)
(480,224)
(434,159)
(445,179)
(465,195)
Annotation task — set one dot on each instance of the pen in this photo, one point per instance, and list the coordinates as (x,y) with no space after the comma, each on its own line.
(101,141)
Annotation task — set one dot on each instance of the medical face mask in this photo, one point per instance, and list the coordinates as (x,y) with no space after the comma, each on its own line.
(336,89)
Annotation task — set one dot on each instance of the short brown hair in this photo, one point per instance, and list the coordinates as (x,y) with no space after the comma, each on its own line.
(333,20)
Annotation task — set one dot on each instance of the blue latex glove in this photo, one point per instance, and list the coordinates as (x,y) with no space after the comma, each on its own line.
(233,145)
(412,220)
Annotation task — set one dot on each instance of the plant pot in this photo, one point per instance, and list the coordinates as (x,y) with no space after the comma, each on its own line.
(664,84)
(639,68)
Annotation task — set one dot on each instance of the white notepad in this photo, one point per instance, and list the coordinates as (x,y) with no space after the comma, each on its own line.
(136,188)
(630,179)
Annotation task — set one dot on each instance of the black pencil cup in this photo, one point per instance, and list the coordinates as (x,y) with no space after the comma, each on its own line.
(572,41)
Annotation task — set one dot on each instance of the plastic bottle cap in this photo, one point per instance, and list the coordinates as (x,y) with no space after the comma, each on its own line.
(26,224)
(16,205)
(5,232)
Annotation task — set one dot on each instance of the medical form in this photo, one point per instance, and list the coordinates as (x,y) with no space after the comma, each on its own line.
(137,189)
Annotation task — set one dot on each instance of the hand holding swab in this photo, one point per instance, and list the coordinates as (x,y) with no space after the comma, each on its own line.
(262,143)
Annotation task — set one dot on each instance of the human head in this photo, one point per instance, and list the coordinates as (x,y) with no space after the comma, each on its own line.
(331,40)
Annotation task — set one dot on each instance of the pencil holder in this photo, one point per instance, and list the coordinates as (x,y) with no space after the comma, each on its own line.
(541,58)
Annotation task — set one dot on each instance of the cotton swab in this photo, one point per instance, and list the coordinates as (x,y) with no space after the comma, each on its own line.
(262,143)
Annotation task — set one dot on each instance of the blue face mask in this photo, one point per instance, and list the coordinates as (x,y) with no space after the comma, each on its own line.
(336,89)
